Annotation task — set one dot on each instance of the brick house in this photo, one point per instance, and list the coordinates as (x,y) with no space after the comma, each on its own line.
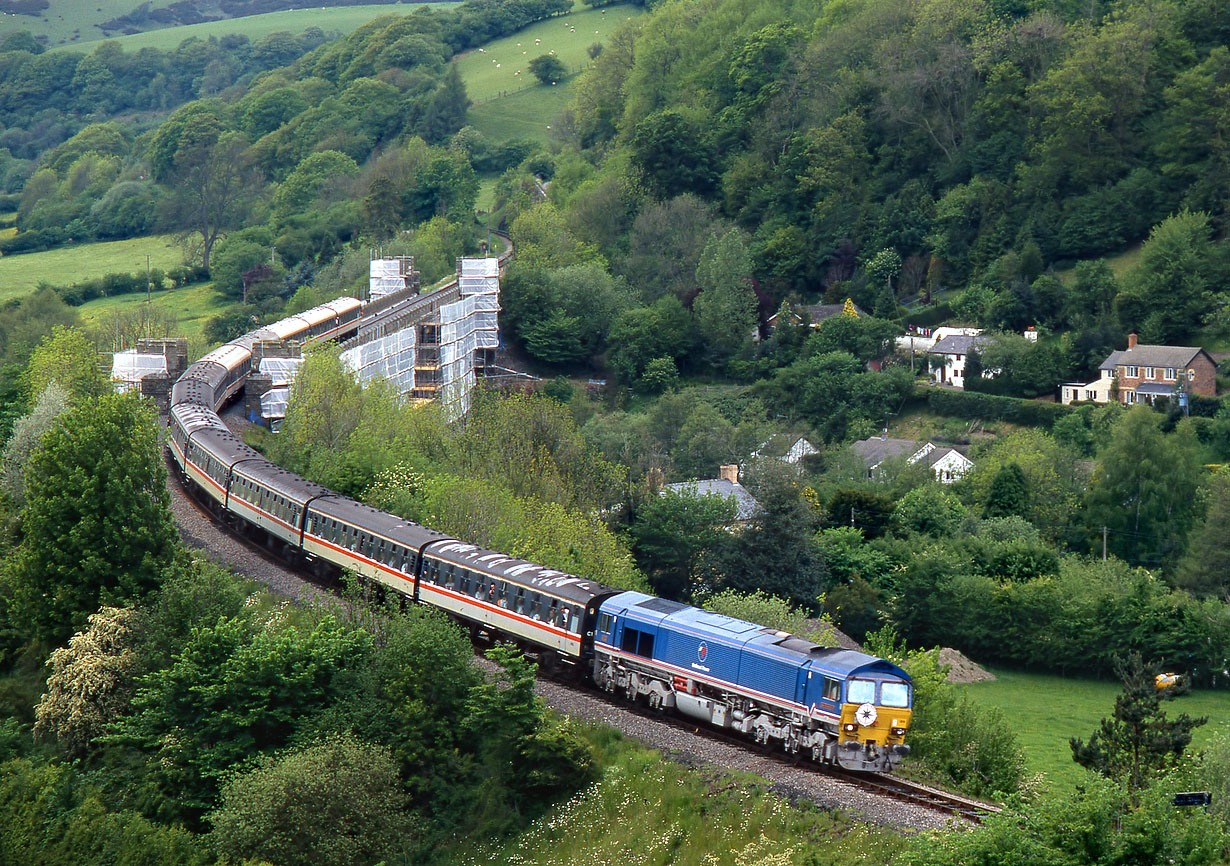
(1143,373)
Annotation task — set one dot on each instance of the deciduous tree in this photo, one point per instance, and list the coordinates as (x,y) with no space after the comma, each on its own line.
(96,528)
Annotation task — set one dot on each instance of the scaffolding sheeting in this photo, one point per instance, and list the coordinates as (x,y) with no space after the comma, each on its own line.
(282,370)
(387,276)
(129,367)
(273,403)
(391,357)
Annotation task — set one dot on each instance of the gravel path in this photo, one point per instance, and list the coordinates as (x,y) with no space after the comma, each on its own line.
(199,531)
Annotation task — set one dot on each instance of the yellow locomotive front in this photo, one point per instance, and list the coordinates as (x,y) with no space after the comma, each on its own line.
(875,717)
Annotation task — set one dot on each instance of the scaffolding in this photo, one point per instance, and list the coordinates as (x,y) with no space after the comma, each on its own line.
(391,358)
(129,367)
(281,373)
(389,276)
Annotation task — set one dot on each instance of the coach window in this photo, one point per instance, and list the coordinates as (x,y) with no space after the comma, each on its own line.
(574,619)
(533,608)
(519,605)
(832,689)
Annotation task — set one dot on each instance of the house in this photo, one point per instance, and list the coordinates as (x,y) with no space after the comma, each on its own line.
(950,355)
(794,454)
(946,463)
(1142,373)
(726,486)
(818,313)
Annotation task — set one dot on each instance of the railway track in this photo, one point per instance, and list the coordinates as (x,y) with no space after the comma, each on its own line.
(893,787)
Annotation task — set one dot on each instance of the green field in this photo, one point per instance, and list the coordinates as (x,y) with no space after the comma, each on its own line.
(342,19)
(502,67)
(21,274)
(1120,264)
(75,24)
(1046,711)
(527,114)
(192,307)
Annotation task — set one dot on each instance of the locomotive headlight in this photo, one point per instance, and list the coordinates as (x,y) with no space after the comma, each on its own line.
(898,732)
(851,727)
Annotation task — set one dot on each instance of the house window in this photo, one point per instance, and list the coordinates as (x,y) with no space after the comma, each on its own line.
(1148,372)
(1091,395)
(1191,375)
(1129,396)
(1131,372)
(1169,376)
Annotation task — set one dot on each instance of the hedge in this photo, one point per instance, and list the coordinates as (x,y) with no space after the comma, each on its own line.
(990,407)
(125,284)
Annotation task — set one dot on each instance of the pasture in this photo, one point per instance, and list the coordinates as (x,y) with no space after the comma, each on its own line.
(21,274)
(340,20)
(191,307)
(1046,711)
(501,68)
(526,114)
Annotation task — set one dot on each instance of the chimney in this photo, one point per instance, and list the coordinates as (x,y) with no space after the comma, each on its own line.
(730,472)
(1132,340)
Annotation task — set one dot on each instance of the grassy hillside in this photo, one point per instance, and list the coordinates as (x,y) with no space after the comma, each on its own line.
(526,114)
(67,22)
(502,66)
(1046,711)
(342,19)
(21,274)
(191,306)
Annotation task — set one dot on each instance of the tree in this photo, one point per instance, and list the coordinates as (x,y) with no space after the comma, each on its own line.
(669,147)
(28,433)
(1138,741)
(726,307)
(67,358)
(1165,295)
(91,680)
(1143,489)
(335,803)
(211,184)
(548,69)
(237,688)
(1206,567)
(97,527)
(1009,494)
(671,533)
(930,510)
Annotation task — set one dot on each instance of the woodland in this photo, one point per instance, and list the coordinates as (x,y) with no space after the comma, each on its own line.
(1004,164)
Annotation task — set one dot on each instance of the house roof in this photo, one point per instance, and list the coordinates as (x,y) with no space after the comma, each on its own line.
(786,448)
(939,453)
(960,344)
(820,312)
(746,505)
(1112,360)
(1155,356)
(875,451)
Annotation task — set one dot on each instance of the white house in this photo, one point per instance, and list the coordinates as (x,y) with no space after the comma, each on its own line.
(950,355)
(946,463)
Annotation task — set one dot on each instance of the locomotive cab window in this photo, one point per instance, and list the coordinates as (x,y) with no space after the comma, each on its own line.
(604,623)
(861,692)
(832,689)
(894,694)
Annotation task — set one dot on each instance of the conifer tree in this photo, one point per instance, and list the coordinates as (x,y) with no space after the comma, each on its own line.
(1138,741)
(1009,493)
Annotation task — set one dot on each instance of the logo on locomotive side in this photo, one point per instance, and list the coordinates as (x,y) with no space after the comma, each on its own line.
(702,651)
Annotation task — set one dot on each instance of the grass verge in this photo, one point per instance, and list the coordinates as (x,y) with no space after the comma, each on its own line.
(648,810)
